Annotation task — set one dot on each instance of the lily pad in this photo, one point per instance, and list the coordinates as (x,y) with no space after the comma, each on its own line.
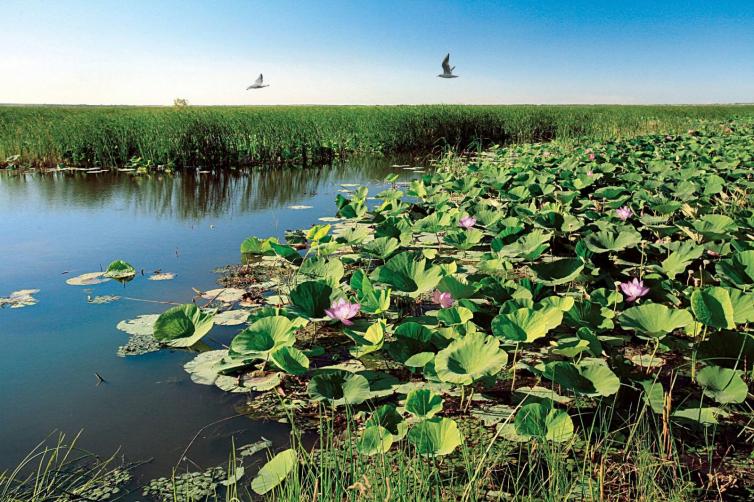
(88,279)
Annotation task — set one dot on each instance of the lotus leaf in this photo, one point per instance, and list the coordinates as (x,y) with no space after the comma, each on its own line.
(712,307)
(405,272)
(655,320)
(339,387)
(311,298)
(274,472)
(435,436)
(183,325)
(543,421)
(119,269)
(607,241)
(470,358)
(526,324)
(724,385)
(423,403)
(374,440)
(263,337)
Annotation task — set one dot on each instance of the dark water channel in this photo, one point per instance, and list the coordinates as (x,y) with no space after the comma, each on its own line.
(55,225)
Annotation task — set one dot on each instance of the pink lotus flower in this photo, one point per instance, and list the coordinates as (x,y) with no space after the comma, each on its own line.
(590,173)
(467,222)
(342,310)
(444,300)
(624,213)
(633,289)
(591,156)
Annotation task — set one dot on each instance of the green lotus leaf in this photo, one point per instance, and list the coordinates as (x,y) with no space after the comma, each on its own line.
(724,385)
(372,300)
(464,239)
(411,338)
(526,324)
(738,271)
(381,247)
(684,252)
(119,269)
(291,360)
(715,226)
(470,358)
(183,325)
(274,472)
(590,377)
(388,417)
(454,315)
(654,395)
(702,415)
(435,436)
(352,235)
(317,232)
(423,403)
(311,298)
(374,440)
(263,337)
(606,241)
(435,222)
(339,387)
(743,306)
(528,247)
(256,246)
(553,273)
(712,307)
(329,270)
(369,340)
(289,253)
(543,421)
(457,286)
(655,320)
(407,273)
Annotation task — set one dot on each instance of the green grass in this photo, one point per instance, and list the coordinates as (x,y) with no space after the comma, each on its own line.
(230,136)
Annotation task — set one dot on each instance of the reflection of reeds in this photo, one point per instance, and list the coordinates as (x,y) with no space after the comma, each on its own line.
(232,136)
(187,195)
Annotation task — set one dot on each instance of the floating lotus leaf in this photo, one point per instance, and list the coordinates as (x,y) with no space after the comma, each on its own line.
(724,385)
(543,421)
(553,273)
(712,307)
(119,269)
(435,436)
(203,368)
(183,325)
(423,403)
(224,295)
(407,273)
(367,341)
(606,241)
(684,252)
(165,276)
(338,387)
(655,320)
(248,382)
(88,279)
(274,472)
(526,324)
(231,317)
(263,337)
(470,358)
(141,325)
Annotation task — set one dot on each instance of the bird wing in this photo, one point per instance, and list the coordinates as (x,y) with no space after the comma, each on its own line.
(446,64)
(259,79)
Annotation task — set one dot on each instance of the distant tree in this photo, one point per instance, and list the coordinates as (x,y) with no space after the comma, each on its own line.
(180,102)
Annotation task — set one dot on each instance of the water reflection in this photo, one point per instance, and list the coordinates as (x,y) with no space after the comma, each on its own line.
(187,195)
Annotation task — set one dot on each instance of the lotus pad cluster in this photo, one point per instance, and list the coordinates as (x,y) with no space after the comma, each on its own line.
(548,278)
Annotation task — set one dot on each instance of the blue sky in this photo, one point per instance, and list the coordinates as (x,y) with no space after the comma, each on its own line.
(376,52)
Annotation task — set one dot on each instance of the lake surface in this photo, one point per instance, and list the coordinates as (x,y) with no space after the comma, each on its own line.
(56,225)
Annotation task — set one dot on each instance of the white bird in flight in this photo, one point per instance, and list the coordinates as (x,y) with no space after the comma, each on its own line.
(257,83)
(447,71)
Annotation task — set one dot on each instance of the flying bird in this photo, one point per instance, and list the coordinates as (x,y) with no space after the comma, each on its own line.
(257,83)
(447,71)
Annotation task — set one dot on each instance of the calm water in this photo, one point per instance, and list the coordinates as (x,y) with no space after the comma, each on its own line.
(57,225)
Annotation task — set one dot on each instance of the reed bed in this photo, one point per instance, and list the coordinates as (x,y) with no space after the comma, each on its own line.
(236,136)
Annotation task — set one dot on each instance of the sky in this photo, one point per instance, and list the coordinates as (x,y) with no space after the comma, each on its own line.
(376,52)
